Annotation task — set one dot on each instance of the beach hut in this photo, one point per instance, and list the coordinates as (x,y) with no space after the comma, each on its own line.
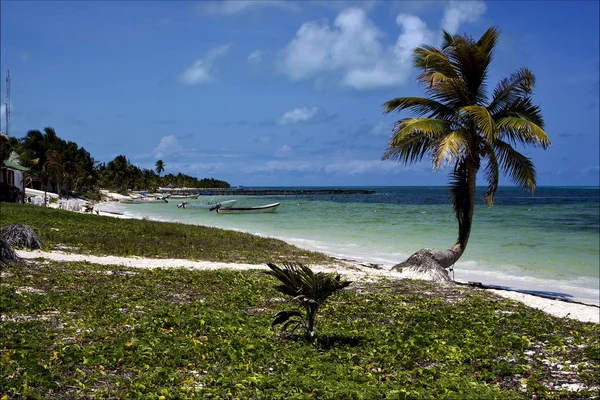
(12,176)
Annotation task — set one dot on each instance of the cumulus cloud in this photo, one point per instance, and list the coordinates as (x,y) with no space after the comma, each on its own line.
(302,115)
(256,56)
(283,151)
(168,145)
(202,70)
(351,49)
(234,7)
(458,12)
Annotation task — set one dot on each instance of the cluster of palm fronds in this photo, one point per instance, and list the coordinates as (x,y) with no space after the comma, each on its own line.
(7,254)
(19,235)
(309,290)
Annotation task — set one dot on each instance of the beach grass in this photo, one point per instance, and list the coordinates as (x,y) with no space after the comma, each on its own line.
(101,235)
(80,330)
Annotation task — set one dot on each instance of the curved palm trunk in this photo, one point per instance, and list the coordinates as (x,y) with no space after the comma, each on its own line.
(464,228)
(433,263)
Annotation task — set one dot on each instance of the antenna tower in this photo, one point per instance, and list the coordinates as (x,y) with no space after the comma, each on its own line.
(7,105)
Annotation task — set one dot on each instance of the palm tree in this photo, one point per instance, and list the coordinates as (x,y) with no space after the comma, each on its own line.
(7,146)
(460,126)
(36,147)
(309,290)
(160,167)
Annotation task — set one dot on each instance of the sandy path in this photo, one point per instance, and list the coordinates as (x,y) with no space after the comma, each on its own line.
(351,270)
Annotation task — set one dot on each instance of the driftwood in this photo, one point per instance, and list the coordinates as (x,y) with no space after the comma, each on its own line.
(19,235)
(7,254)
(424,264)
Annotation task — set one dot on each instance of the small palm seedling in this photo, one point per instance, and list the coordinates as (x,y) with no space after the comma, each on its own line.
(309,290)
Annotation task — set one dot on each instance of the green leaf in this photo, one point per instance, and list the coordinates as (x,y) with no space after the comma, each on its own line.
(283,316)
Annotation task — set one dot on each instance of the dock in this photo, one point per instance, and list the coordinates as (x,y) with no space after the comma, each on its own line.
(262,192)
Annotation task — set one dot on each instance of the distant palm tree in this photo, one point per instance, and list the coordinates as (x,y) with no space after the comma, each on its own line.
(7,146)
(160,167)
(458,125)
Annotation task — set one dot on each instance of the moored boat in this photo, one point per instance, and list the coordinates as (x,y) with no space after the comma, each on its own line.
(212,204)
(248,210)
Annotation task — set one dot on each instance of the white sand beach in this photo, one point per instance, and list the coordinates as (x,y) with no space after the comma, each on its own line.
(352,270)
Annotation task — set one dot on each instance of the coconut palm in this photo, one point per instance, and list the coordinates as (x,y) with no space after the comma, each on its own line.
(7,146)
(35,149)
(309,290)
(160,167)
(460,126)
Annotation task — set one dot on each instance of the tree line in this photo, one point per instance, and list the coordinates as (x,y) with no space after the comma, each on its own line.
(64,167)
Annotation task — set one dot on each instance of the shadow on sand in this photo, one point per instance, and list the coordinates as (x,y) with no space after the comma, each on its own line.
(540,293)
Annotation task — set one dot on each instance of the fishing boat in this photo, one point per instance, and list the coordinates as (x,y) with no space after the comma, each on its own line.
(145,200)
(212,204)
(248,210)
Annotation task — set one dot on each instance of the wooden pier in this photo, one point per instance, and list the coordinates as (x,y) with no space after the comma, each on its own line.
(262,192)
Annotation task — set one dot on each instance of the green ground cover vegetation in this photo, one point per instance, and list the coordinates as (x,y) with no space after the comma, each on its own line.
(100,235)
(79,330)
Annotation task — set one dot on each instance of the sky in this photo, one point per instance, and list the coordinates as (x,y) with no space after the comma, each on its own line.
(274,93)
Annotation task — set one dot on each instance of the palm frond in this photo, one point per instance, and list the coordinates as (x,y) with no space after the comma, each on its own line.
(450,147)
(415,137)
(520,130)
(516,166)
(523,108)
(290,281)
(491,175)
(429,58)
(509,90)
(484,120)
(487,43)
(447,39)
(433,79)
(419,105)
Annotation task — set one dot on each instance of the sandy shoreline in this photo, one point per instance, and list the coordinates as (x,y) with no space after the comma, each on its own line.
(352,270)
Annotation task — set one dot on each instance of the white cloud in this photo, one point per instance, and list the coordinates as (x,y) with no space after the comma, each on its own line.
(168,145)
(256,56)
(351,51)
(458,12)
(2,109)
(202,70)
(300,115)
(233,7)
(283,151)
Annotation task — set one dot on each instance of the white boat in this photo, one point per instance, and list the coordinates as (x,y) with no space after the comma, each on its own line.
(211,204)
(248,210)
(145,200)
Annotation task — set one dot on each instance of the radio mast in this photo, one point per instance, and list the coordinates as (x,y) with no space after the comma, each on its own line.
(7,104)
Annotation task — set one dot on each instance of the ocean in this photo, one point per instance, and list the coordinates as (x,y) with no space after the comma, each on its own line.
(547,243)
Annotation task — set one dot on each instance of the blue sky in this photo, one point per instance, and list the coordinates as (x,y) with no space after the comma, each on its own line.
(270,93)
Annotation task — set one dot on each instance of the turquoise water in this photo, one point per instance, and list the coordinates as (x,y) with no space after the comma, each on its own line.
(548,242)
